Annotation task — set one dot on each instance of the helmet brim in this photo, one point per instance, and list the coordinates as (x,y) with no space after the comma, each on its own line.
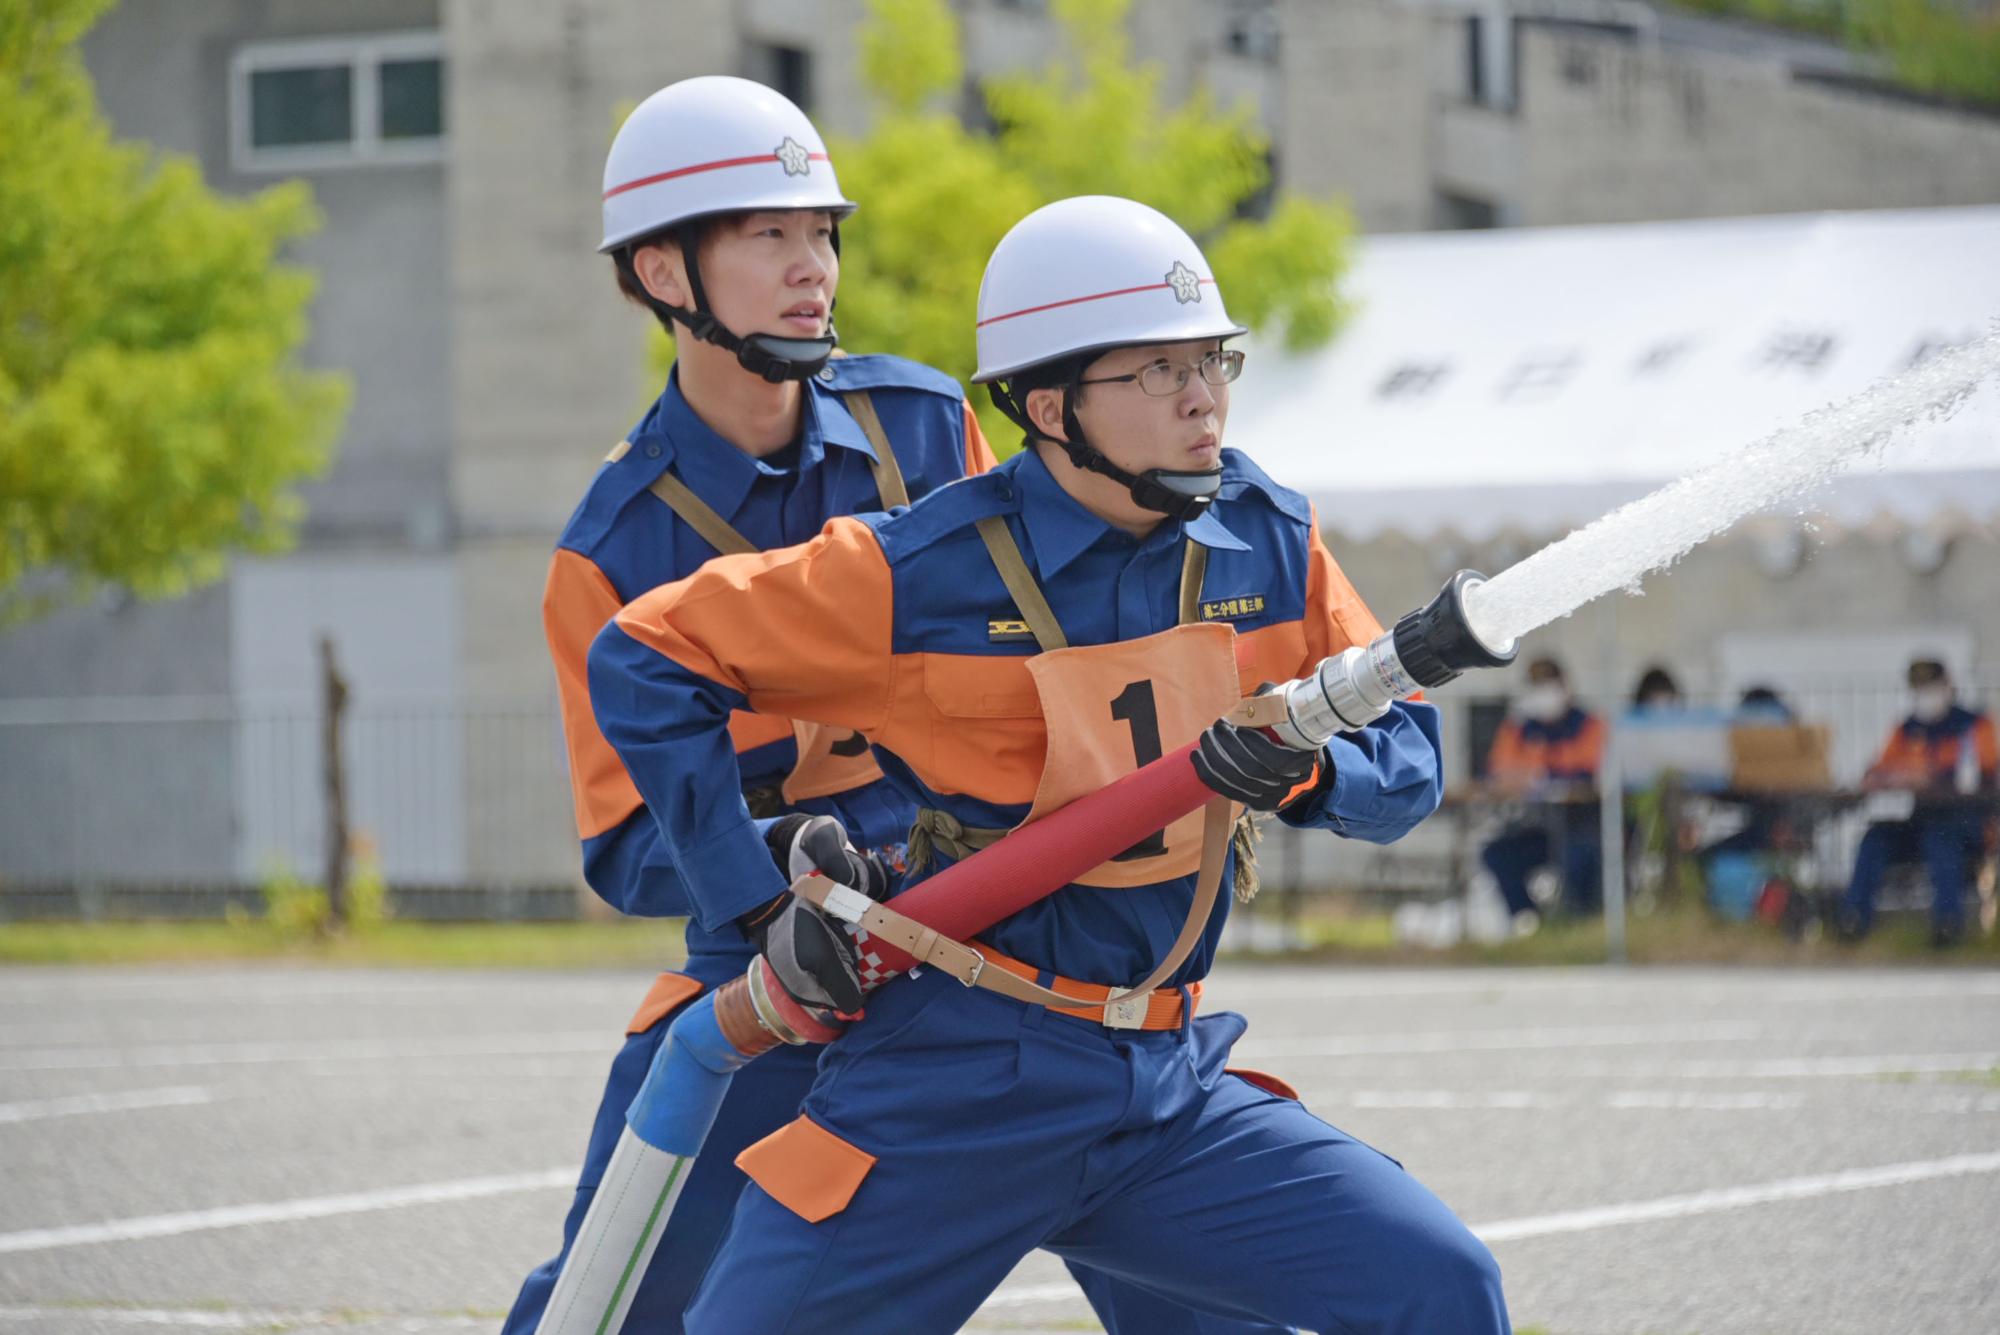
(1229,331)
(841,212)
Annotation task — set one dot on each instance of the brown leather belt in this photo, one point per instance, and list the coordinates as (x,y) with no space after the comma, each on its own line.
(1159,1009)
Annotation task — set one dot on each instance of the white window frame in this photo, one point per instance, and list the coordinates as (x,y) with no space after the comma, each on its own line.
(363,54)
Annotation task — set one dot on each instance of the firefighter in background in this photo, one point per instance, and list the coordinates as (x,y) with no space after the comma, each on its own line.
(1941,750)
(1548,750)
(1009,644)
(721,215)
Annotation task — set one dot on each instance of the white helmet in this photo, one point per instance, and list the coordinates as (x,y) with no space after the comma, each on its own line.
(1092,273)
(710,145)
(1082,276)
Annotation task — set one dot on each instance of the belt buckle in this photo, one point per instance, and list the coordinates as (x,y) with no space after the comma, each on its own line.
(1127,1014)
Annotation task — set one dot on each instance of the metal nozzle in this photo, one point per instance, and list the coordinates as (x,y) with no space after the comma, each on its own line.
(1356,686)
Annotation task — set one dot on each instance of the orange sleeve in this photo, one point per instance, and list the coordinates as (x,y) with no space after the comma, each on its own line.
(577,601)
(1509,755)
(1588,748)
(1335,617)
(978,454)
(1898,758)
(1986,745)
(803,632)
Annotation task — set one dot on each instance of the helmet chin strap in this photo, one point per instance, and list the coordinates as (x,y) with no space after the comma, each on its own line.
(765,356)
(1178,493)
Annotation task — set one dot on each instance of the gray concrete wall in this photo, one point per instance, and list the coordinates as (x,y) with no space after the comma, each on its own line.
(1357,119)
(1613,132)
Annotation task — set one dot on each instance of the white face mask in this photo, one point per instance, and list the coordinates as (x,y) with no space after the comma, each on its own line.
(1930,703)
(1545,703)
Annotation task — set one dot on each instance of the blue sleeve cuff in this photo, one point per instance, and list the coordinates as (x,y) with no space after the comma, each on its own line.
(734,873)
(1384,780)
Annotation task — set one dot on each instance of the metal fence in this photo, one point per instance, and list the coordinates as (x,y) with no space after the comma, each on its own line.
(183,807)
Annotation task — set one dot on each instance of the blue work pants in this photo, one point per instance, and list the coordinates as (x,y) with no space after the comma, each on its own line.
(762,1097)
(1946,842)
(996,1127)
(1518,850)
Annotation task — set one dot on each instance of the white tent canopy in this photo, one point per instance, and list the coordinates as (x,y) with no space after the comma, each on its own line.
(1527,381)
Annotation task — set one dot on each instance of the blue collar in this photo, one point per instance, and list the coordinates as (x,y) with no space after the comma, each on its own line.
(722,474)
(1061,529)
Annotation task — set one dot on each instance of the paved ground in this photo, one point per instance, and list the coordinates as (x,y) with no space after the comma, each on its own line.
(1675,1152)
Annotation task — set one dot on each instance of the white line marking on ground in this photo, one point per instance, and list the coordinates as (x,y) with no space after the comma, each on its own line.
(1032,1293)
(1749,1100)
(1883,1064)
(1736,1198)
(100,986)
(1698,988)
(172,1096)
(1528,1100)
(1502,1040)
(601,1042)
(282,1212)
(233,1319)
(1448,1099)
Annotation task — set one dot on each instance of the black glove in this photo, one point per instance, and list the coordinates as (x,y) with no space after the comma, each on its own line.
(1245,765)
(803,844)
(812,956)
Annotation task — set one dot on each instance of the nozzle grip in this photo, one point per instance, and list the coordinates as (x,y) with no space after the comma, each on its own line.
(1436,643)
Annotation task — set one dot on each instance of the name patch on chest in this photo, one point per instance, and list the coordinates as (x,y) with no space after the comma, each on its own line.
(1009,632)
(1229,609)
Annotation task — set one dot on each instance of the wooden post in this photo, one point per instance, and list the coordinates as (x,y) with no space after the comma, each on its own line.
(333,710)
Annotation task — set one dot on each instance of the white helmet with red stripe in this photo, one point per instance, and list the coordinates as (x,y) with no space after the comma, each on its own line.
(714,144)
(1089,274)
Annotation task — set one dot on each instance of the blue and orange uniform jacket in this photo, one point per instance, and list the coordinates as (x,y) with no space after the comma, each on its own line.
(1567,750)
(1927,755)
(884,625)
(624,540)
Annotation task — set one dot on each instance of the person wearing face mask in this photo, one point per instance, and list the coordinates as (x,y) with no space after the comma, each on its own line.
(1657,692)
(1009,644)
(1549,747)
(1928,752)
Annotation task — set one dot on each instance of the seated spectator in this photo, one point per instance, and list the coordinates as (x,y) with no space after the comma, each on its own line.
(1926,754)
(1763,704)
(1548,748)
(1657,690)
(1765,829)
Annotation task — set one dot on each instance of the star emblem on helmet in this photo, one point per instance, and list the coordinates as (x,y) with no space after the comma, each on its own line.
(1185,282)
(797,161)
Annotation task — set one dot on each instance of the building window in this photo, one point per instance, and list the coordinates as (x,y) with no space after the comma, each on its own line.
(785,68)
(1462,212)
(337,102)
(1253,31)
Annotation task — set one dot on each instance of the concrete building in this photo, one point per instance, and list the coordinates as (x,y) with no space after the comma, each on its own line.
(455,147)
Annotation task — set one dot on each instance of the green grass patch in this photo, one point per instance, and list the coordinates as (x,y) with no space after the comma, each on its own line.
(1681,936)
(640,942)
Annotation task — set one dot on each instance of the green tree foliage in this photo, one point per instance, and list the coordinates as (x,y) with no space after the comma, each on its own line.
(153,417)
(1932,46)
(936,196)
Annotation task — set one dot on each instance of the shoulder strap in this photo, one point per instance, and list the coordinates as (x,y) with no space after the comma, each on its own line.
(888,473)
(1194,566)
(1027,594)
(699,516)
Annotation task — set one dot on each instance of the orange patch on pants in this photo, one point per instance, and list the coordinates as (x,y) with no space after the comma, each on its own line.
(807,1169)
(669,992)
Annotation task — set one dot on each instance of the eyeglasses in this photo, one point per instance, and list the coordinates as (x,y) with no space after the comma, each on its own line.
(1164,378)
